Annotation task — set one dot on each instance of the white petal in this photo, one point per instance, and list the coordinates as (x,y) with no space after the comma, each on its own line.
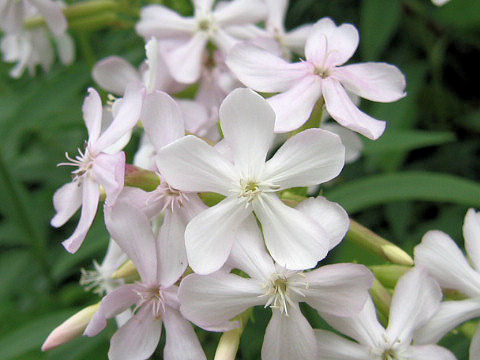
(185,62)
(182,342)
(138,338)
(190,164)
(249,253)
(439,254)
(213,300)
(107,119)
(203,5)
(240,12)
(112,304)
(311,157)
(294,107)
(131,230)
(329,215)
(449,316)
(334,347)
(90,195)
(210,235)
(114,74)
(430,352)
(294,240)
(471,233)
(363,327)
(339,289)
(416,299)
(247,123)
(92,115)
(475,345)
(329,44)
(223,40)
(162,22)
(352,142)
(109,171)
(162,119)
(263,71)
(126,118)
(296,39)
(343,110)
(66,202)
(277,9)
(289,337)
(52,13)
(373,81)
(65,48)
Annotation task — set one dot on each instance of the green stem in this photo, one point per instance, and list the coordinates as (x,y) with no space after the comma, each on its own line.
(86,48)
(382,299)
(389,274)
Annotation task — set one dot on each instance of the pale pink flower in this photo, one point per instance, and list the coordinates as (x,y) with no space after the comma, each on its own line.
(443,259)
(95,166)
(212,301)
(440,2)
(301,85)
(155,296)
(250,182)
(415,300)
(14,12)
(190,35)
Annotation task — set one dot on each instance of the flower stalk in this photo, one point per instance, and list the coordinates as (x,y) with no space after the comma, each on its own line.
(228,345)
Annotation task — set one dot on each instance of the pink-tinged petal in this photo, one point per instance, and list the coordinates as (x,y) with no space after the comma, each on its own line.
(475,345)
(440,255)
(66,202)
(162,22)
(51,12)
(92,115)
(247,123)
(363,327)
(373,81)
(430,352)
(142,200)
(126,118)
(114,74)
(162,119)
(450,315)
(107,119)
(335,347)
(352,142)
(212,301)
(249,253)
(263,71)
(330,45)
(65,48)
(112,304)
(296,39)
(416,299)
(471,233)
(114,258)
(210,235)
(240,12)
(343,110)
(277,9)
(138,338)
(131,230)
(12,14)
(185,61)
(311,157)
(90,195)
(289,337)
(182,342)
(339,289)
(294,240)
(197,119)
(329,215)
(294,107)
(203,5)
(109,171)
(172,256)
(190,164)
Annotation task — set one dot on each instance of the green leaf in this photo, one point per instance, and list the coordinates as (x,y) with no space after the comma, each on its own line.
(405,186)
(463,14)
(407,140)
(379,20)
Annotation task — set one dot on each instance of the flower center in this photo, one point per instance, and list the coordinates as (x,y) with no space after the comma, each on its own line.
(83,161)
(323,73)
(151,295)
(171,197)
(278,293)
(204,25)
(249,190)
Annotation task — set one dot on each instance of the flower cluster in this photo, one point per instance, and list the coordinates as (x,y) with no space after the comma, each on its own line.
(208,262)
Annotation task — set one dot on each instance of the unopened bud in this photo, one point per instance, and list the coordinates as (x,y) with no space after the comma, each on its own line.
(70,329)
(126,271)
(228,345)
(141,178)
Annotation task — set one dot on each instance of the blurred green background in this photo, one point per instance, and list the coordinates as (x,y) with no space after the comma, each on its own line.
(422,174)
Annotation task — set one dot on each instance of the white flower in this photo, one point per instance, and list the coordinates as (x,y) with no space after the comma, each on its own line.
(415,300)
(309,158)
(440,255)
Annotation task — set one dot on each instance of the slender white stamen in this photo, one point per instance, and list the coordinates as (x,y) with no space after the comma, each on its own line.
(171,197)
(151,295)
(251,189)
(97,280)
(83,161)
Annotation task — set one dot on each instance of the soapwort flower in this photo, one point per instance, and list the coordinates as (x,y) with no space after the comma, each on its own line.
(301,85)
(96,166)
(249,184)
